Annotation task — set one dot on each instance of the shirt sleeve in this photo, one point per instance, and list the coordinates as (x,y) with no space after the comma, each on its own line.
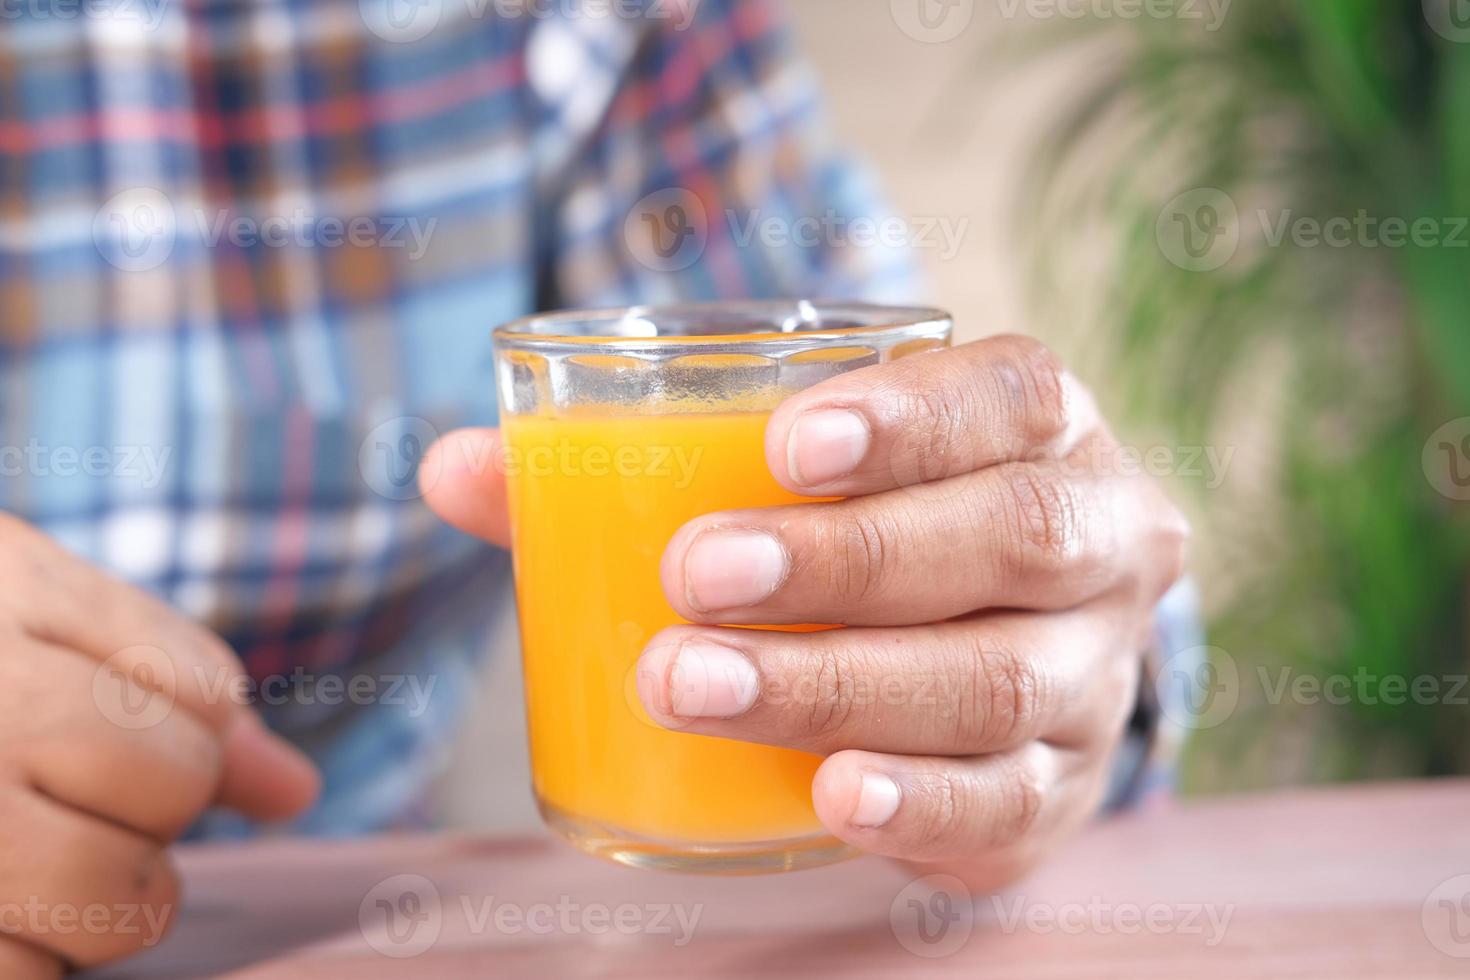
(685,155)
(1169,705)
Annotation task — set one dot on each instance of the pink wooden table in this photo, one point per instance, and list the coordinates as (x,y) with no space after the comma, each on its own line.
(1369,881)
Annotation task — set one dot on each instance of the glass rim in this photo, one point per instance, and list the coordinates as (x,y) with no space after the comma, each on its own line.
(892,324)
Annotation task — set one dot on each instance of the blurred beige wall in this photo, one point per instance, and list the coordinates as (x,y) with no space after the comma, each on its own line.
(946,125)
(946,132)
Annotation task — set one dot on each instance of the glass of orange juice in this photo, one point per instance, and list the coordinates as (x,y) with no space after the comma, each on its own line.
(620,426)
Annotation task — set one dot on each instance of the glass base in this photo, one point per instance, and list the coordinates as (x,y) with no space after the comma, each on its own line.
(726,858)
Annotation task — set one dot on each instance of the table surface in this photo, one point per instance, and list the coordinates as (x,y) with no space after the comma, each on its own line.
(1366,881)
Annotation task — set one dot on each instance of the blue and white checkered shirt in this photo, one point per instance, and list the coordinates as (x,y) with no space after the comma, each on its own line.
(250,255)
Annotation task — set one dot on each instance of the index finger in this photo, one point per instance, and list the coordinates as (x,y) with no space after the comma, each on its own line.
(58,598)
(929,417)
(165,658)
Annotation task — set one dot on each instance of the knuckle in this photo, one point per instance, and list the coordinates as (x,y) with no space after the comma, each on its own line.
(932,409)
(1174,535)
(1007,698)
(1021,810)
(946,813)
(1034,380)
(194,773)
(1042,516)
(156,882)
(133,884)
(833,695)
(944,411)
(860,555)
(1163,539)
(145,911)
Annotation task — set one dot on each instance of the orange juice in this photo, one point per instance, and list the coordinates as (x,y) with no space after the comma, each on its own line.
(594,500)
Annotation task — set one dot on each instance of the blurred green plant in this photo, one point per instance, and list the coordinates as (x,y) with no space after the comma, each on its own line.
(1293,110)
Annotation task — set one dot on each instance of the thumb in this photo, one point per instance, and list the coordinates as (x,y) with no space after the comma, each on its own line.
(462,481)
(265,776)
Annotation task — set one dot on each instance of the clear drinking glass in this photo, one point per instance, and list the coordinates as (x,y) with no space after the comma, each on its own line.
(621,426)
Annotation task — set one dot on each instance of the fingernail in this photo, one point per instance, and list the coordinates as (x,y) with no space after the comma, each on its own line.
(711,681)
(730,569)
(877,801)
(826,446)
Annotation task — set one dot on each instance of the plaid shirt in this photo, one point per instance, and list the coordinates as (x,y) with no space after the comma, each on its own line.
(250,253)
